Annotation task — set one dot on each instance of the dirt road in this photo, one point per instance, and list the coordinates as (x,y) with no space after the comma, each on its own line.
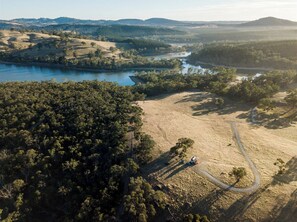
(254,169)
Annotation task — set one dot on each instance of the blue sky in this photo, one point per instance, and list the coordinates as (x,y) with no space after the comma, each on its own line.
(175,9)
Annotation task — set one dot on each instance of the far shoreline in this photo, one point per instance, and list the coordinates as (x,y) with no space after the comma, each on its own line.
(239,68)
(94,70)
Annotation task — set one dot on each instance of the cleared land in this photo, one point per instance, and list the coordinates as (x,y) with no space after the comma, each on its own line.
(27,44)
(193,115)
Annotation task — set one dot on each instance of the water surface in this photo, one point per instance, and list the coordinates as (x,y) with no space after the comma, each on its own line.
(37,73)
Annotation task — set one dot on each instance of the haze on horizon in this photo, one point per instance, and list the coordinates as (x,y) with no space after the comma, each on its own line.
(191,10)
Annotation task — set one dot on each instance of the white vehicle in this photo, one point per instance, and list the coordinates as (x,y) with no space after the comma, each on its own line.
(194,160)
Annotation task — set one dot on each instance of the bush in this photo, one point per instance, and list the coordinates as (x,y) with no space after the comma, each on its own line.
(239,173)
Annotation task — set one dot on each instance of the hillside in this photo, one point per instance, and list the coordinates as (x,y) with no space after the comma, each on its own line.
(49,49)
(270,54)
(164,22)
(66,20)
(172,116)
(269,21)
(9,25)
(113,31)
(31,43)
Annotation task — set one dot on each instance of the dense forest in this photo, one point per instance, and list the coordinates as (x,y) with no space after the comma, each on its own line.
(146,46)
(274,54)
(218,81)
(72,152)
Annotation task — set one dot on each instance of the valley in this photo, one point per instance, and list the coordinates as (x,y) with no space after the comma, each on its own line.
(130,111)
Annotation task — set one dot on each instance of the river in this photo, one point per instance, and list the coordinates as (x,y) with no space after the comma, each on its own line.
(37,73)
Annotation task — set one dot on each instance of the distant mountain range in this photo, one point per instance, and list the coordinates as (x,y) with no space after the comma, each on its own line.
(66,20)
(269,21)
(138,22)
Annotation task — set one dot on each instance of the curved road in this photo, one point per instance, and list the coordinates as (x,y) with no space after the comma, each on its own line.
(254,169)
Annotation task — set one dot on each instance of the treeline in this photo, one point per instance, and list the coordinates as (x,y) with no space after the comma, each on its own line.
(277,54)
(146,46)
(114,32)
(94,62)
(264,86)
(218,81)
(155,83)
(72,152)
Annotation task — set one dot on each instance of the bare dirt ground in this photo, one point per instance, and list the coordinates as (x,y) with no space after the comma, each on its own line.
(194,115)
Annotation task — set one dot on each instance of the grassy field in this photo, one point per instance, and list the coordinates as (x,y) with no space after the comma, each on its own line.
(193,115)
(27,44)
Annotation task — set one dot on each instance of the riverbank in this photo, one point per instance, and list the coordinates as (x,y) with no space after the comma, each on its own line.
(95,70)
(136,80)
(239,68)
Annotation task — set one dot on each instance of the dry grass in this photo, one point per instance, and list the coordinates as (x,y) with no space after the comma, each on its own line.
(193,115)
(25,43)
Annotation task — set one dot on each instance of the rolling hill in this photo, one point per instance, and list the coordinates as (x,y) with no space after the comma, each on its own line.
(113,31)
(53,50)
(161,22)
(269,21)
(66,20)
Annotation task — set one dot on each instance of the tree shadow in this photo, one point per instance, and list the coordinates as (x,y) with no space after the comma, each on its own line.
(171,167)
(204,205)
(280,213)
(207,106)
(289,175)
(158,164)
(160,96)
(165,164)
(197,97)
(178,170)
(239,207)
(288,213)
(274,121)
(165,95)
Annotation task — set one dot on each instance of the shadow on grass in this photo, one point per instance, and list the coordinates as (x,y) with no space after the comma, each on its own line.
(169,93)
(204,205)
(178,170)
(197,97)
(236,211)
(274,121)
(289,175)
(158,164)
(285,213)
(280,213)
(165,164)
(206,105)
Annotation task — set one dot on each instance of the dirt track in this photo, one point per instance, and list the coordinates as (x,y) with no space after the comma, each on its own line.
(193,115)
(254,169)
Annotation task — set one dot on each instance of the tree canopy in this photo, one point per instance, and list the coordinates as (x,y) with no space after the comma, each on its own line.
(68,150)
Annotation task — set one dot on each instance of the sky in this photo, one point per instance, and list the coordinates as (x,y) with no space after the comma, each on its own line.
(190,10)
